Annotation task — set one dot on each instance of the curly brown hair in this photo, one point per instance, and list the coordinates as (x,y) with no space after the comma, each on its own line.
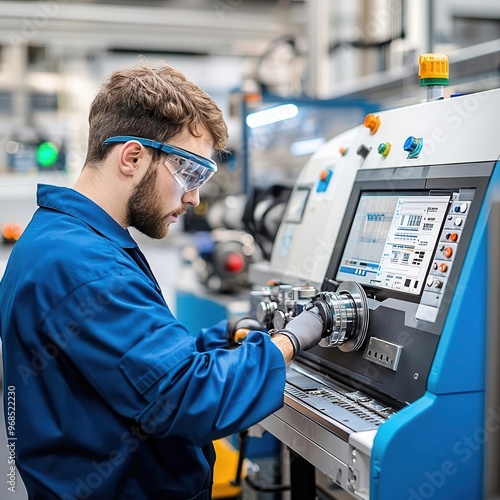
(152,102)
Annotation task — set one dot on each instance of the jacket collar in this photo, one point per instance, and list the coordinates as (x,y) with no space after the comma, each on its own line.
(71,202)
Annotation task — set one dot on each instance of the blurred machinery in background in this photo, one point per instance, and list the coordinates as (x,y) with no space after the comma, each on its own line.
(279,135)
(240,231)
(387,222)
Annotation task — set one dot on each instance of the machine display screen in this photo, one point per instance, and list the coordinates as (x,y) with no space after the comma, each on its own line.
(392,240)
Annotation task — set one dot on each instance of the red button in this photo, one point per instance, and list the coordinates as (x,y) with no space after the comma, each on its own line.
(453,236)
(443,267)
(235,262)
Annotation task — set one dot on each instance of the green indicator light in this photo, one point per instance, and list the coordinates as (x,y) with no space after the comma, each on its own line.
(47,154)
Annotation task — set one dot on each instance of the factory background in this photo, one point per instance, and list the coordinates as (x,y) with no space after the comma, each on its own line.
(321,65)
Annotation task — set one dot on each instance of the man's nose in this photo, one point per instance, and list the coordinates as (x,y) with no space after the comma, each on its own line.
(192,197)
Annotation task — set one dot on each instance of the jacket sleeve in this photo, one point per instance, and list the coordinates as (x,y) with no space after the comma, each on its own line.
(214,337)
(125,342)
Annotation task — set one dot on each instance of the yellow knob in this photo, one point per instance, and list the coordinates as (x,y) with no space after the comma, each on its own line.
(433,69)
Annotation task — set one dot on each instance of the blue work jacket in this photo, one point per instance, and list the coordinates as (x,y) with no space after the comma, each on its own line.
(114,398)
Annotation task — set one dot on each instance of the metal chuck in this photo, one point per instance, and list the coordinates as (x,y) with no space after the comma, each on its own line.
(345,316)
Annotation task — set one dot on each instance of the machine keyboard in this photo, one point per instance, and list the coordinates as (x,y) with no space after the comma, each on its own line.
(358,410)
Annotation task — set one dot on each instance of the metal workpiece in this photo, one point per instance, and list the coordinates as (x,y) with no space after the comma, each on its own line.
(280,303)
(265,312)
(280,319)
(347,317)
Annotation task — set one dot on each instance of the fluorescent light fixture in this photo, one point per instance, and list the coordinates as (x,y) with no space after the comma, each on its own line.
(306,147)
(272,115)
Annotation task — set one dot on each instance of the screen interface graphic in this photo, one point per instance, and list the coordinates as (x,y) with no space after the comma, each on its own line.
(392,240)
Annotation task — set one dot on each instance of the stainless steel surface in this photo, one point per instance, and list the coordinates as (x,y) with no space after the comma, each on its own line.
(383,353)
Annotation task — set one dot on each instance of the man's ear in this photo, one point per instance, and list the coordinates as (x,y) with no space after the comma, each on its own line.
(130,157)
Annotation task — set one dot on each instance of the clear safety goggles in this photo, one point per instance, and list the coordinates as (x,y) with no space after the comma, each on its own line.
(190,170)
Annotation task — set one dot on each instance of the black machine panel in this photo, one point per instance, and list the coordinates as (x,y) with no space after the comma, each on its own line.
(404,242)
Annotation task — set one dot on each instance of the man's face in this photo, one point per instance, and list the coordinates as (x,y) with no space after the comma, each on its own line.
(158,200)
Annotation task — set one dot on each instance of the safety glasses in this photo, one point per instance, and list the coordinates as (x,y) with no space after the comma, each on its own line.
(190,170)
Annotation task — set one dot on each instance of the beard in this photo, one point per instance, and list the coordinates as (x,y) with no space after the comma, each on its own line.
(144,207)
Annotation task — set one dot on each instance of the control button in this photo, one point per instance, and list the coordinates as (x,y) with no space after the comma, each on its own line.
(448,252)
(463,208)
(430,281)
(458,221)
(447,236)
(363,151)
(372,122)
(343,151)
(323,174)
(443,267)
(456,209)
(438,284)
(435,266)
(454,237)
(413,146)
(384,149)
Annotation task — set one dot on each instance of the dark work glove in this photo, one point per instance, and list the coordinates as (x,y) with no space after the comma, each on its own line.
(304,331)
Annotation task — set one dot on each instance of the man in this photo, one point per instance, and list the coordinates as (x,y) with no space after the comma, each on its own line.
(114,398)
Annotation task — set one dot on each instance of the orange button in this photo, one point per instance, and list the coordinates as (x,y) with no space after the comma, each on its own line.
(323,174)
(343,151)
(448,252)
(453,236)
(372,122)
(443,267)
(11,231)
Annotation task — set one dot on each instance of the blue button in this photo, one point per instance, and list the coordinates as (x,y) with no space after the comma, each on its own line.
(413,145)
(410,144)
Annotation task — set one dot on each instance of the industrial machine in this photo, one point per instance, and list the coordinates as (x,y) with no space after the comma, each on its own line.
(391,232)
